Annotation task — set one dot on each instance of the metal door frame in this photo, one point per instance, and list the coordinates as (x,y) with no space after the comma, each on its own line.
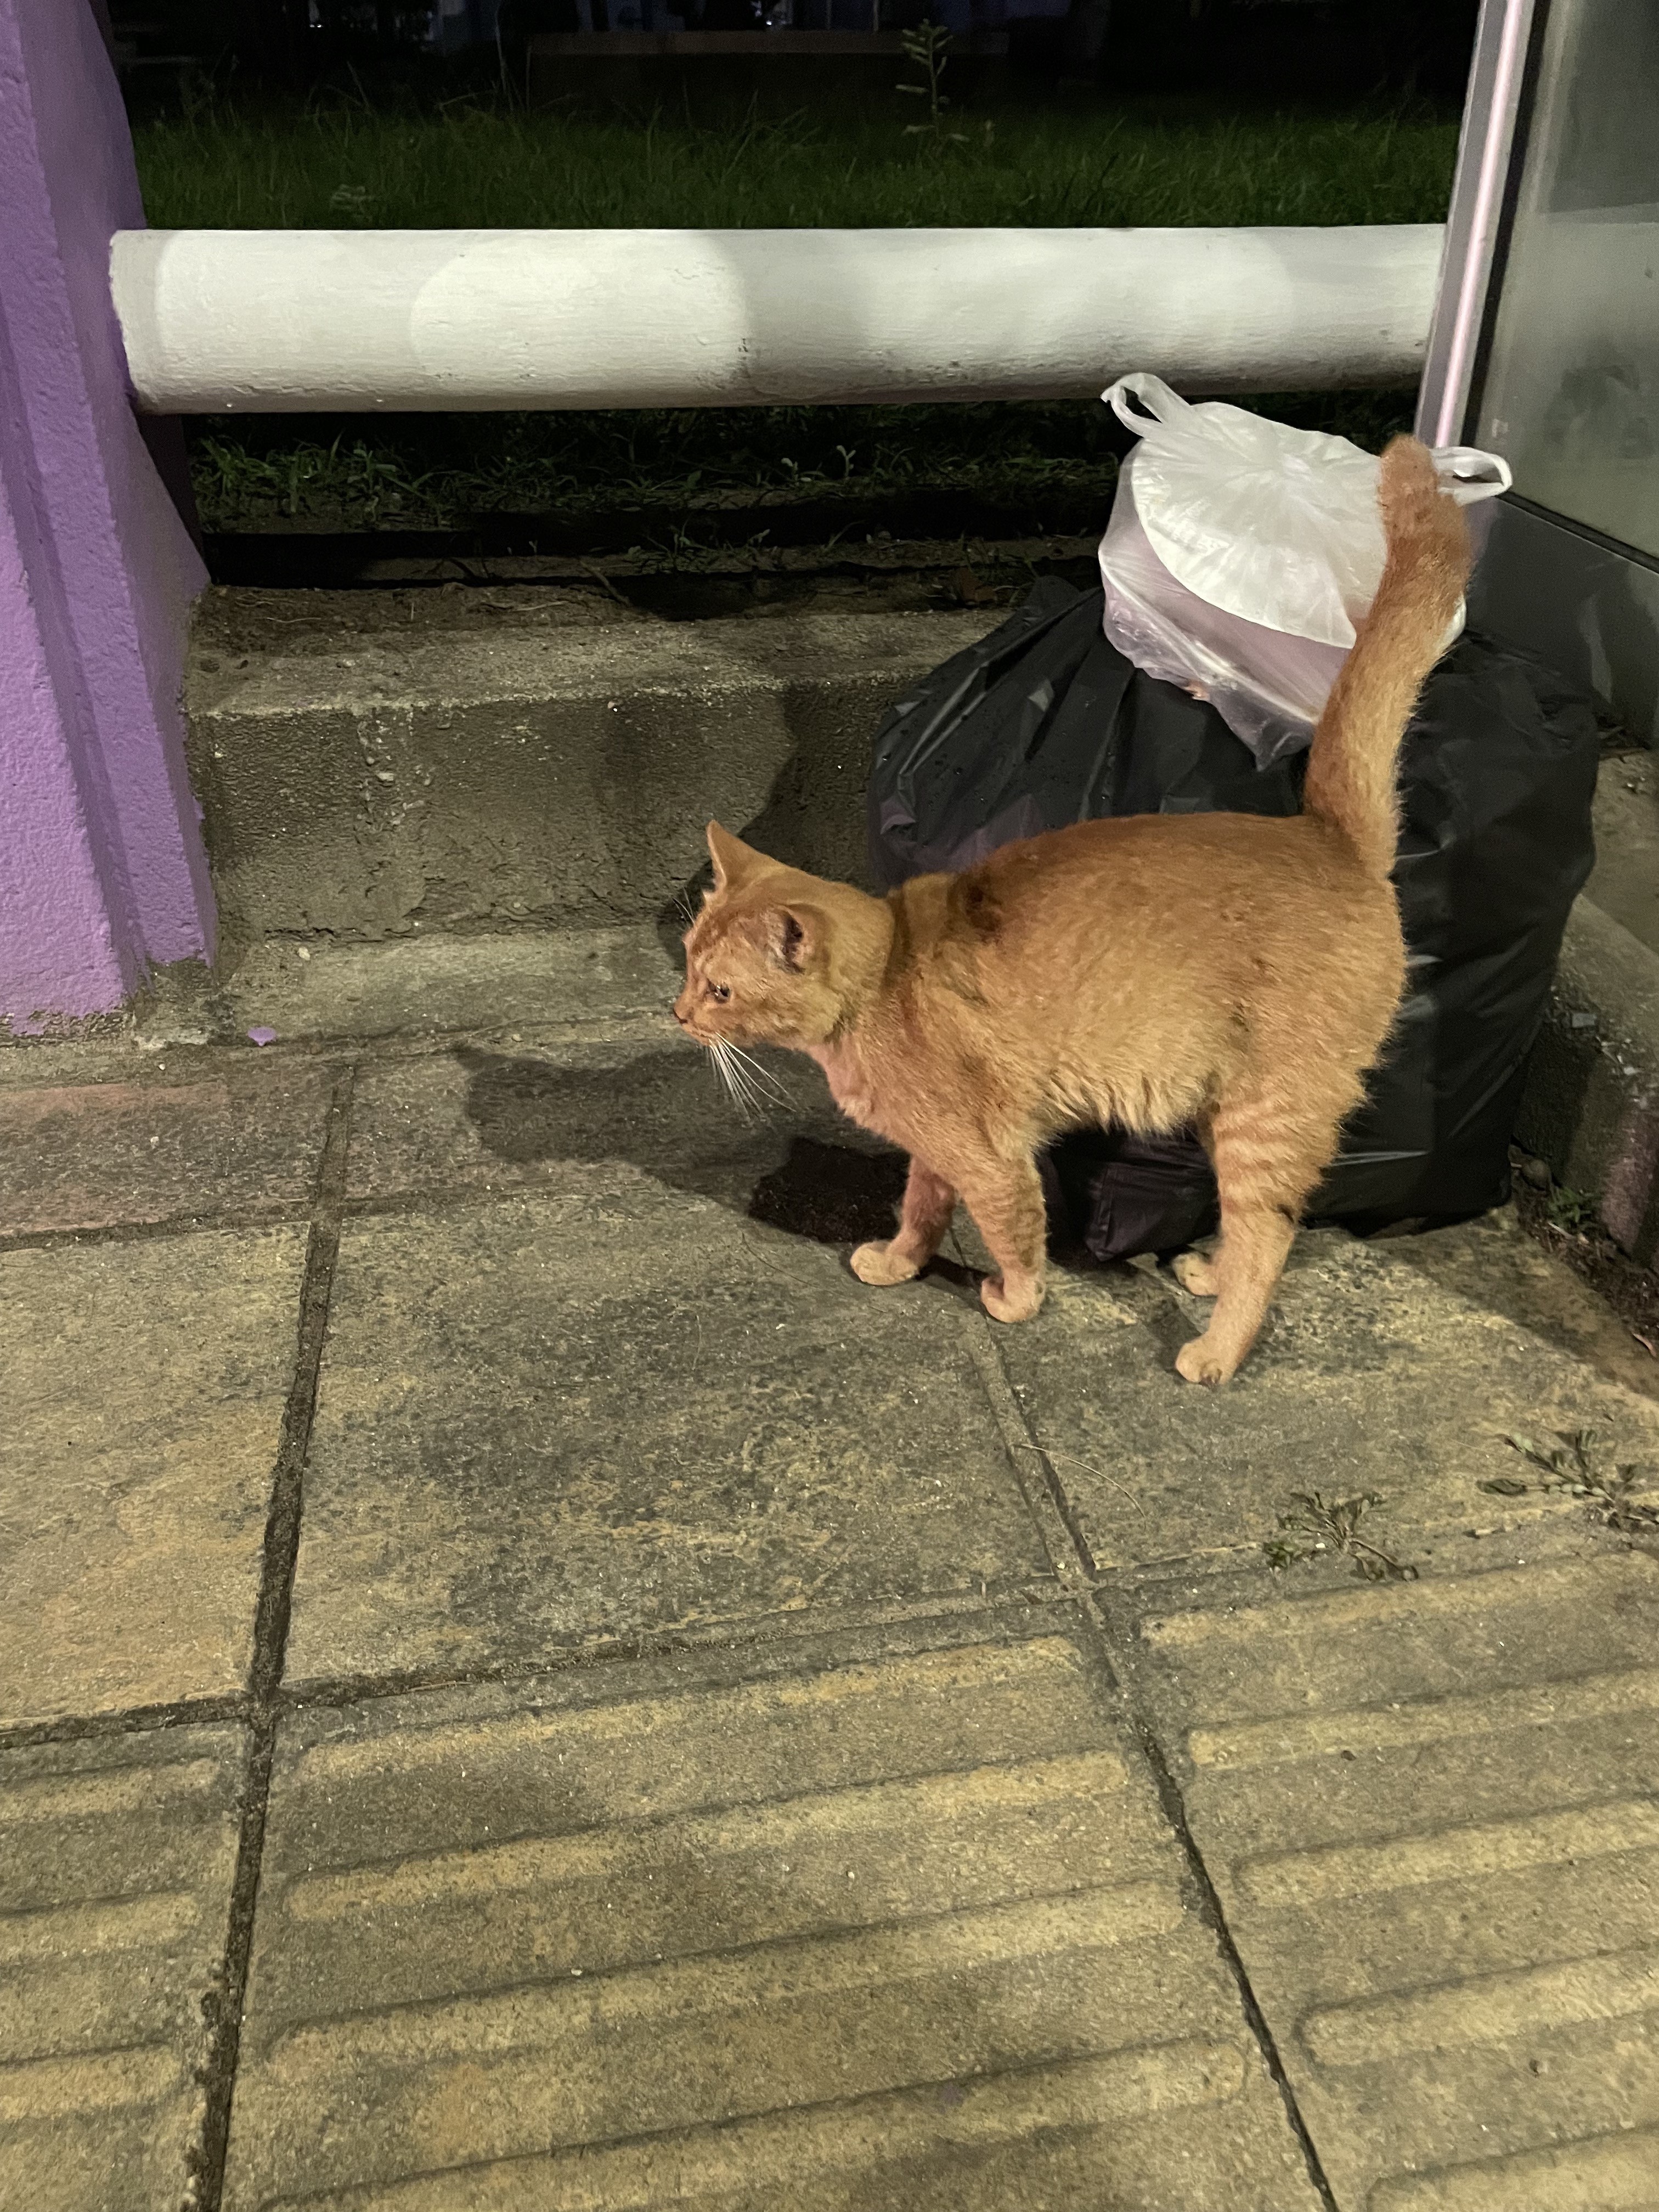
(1585,601)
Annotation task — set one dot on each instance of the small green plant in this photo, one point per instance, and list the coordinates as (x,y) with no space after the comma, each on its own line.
(198,94)
(1573,1212)
(927,46)
(1315,1525)
(1609,1493)
(303,477)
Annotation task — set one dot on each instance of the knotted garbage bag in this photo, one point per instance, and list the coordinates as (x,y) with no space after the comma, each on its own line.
(1241,553)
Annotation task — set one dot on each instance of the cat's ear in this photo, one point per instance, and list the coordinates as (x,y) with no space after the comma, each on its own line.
(794,934)
(734,861)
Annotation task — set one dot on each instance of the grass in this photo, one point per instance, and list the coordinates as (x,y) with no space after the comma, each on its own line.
(435,471)
(332,162)
(335,161)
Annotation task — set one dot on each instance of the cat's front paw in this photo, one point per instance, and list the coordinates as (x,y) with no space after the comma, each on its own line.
(1200,1362)
(1004,1303)
(880,1264)
(1195,1273)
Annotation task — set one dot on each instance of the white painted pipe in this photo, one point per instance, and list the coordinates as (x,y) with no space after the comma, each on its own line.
(291,320)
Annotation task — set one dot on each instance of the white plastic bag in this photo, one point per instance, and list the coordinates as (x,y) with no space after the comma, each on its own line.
(1241,553)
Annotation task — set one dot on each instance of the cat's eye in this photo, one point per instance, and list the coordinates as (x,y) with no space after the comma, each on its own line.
(719,992)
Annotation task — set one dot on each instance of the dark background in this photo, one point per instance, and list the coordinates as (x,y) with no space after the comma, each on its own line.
(1340,50)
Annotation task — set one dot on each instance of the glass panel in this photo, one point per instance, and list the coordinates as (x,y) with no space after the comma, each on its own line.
(1570,393)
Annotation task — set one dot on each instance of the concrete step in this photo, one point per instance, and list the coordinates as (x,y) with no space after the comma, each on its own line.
(428,762)
(578,983)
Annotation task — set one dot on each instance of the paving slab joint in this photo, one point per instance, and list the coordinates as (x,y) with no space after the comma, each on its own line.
(1051,1504)
(281,1548)
(1207,1896)
(1044,1493)
(130,1720)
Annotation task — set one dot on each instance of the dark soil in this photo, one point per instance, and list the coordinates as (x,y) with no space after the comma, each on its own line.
(1560,1221)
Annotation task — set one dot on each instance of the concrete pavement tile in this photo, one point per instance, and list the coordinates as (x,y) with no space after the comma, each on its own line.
(94,1156)
(590,1414)
(145,1388)
(1379,1371)
(904,1928)
(116,1861)
(1430,1810)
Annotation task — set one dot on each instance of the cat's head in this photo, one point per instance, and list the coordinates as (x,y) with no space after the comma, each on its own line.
(774,954)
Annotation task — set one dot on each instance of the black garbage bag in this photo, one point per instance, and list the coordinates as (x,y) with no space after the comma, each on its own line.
(1043,722)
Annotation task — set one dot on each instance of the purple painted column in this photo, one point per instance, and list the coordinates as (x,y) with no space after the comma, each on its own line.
(103,873)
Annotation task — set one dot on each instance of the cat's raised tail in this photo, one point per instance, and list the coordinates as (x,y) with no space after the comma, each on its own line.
(1351,765)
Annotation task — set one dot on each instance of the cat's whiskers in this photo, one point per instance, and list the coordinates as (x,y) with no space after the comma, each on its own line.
(731,1074)
(753,1088)
(769,1086)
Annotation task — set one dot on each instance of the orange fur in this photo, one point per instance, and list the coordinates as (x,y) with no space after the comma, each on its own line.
(1236,972)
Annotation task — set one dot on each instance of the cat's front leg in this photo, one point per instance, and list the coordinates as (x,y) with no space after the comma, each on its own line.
(929,1203)
(1007,1203)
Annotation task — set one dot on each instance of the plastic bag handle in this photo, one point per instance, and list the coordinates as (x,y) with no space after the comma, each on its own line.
(1469,475)
(1157,400)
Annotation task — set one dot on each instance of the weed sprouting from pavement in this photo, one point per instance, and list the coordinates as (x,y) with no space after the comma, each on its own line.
(1317,1525)
(1575,1466)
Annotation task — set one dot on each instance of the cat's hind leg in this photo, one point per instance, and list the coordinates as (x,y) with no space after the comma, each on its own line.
(929,1203)
(1270,1148)
(1195,1271)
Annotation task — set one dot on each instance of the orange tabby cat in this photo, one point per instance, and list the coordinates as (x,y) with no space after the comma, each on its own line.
(1235,971)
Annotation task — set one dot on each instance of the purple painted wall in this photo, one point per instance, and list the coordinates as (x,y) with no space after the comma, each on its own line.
(103,873)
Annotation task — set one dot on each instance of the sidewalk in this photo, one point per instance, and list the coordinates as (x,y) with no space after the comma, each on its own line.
(527,1685)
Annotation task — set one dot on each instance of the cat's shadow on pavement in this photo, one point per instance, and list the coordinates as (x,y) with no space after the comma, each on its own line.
(800,1170)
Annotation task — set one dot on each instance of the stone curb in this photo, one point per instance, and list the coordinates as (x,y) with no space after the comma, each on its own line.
(1591,1105)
